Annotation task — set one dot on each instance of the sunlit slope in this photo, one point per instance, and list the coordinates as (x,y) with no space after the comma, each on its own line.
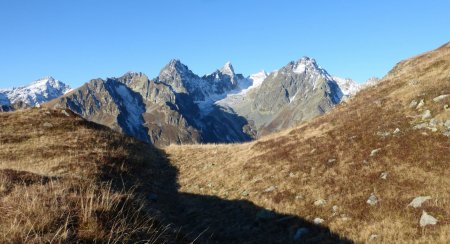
(357,167)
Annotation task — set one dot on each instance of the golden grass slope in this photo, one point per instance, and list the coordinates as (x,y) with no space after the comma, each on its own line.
(63,179)
(330,158)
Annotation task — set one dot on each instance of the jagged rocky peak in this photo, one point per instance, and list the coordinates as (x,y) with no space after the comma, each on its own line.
(130,76)
(307,65)
(307,61)
(227,69)
(174,67)
(225,73)
(179,77)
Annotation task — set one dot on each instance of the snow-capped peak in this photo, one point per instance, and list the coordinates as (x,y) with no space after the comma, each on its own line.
(303,64)
(47,83)
(306,66)
(38,92)
(46,79)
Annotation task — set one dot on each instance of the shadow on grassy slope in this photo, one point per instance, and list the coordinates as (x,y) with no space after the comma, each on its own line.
(212,219)
(64,179)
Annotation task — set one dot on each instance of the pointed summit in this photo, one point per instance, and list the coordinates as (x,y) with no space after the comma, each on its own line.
(174,67)
(304,64)
(227,69)
(176,64)
(48,83)
(179,77)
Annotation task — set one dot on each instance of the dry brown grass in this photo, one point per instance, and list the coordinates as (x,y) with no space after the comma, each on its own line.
(63,179)
(329,158)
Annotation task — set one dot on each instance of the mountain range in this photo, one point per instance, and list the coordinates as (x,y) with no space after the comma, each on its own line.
(179,106)
(38,92)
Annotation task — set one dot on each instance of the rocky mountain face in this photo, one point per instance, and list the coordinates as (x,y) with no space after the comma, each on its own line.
(297,92)
(38,92)
(181,107)
(163,110)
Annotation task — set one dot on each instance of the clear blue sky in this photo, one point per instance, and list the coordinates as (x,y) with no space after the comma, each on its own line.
(75,41)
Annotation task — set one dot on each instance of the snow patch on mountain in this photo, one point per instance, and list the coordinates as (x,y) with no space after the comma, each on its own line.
(257,79)
(131,105)
(131,110)
(245,85)
(348,86)
(300,68)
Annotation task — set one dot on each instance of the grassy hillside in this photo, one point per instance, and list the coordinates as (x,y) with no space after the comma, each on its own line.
(63,179)
(382,142)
